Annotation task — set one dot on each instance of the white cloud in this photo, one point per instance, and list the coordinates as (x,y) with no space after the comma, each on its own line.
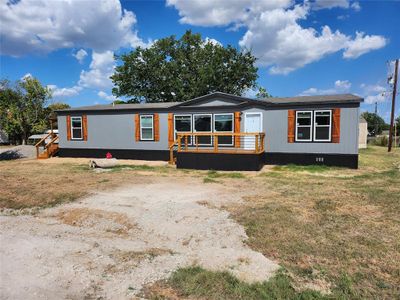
(356,6)
(43,26)
(340,87)
(80,55)
(212,41)
(221,12)
(64,92)
(328,4)
(105,96)
(363,44)
(100,70)
(27,75)
(374,93)
(273,30)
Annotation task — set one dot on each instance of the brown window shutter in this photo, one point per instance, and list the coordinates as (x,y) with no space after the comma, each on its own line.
(291,125)
(137,127)
(156,123)
(68,128)
(84,127)
(237,128)
(170,129)
(336,125)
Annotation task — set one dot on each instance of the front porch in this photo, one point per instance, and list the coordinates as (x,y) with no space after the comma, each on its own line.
(218,151)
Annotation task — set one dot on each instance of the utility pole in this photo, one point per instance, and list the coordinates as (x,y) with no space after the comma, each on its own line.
(396,67)
(376,118)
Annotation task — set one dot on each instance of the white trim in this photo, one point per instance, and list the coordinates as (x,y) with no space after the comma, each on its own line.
(191,125)
(248,140)
(211,125)
(233,125)
(152,127)
(315,125)
(309,126)
(72,127)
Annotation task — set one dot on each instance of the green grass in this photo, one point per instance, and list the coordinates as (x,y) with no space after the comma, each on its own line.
(203,284)
(215,174)
(300,168)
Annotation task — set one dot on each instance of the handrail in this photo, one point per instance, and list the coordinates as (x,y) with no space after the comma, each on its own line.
(214,147)
(51,142)
(183,145)
(43,139)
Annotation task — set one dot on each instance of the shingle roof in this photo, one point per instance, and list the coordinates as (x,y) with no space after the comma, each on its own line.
(122,106)
(315,99)
(341,98)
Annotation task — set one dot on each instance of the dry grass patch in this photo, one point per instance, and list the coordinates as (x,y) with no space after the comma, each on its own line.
(27,184)
(97,219)
(341,231)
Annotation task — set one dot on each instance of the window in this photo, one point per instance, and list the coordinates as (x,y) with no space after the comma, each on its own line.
(202,123)
(322,126)
(146,128)
(76,128)
(303,126)
(182,123)
(224,123)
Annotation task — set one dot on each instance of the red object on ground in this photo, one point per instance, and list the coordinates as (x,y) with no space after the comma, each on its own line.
(108,155)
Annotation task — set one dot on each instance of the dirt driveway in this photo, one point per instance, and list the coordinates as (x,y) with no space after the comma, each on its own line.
(113,243)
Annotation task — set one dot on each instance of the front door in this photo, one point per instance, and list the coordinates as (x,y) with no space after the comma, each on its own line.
(252,123)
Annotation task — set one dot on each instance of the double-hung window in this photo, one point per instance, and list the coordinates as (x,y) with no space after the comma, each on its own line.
(322,125)
(76,128)
(303,126)
(183,124)
(146,127)
(224,123)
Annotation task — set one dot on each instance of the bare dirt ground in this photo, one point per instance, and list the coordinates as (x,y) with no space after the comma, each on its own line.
(112,243)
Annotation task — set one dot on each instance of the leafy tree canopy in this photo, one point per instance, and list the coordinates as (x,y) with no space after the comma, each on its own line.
(262,93)
(181,69)
(373,121)
(22,107)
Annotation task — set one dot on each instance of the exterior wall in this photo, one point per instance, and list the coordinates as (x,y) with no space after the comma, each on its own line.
(113,130)
(217,102)
(275,126)
(363,134)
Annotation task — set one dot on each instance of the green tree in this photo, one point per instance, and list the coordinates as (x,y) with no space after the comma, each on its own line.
(181,69)
(374,121)
(262,93)
(398,125)
(22,107)
(52,116)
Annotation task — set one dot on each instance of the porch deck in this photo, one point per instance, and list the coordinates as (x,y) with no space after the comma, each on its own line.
(224,151)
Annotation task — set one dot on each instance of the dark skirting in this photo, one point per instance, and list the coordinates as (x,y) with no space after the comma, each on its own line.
(219,161)
(339,160)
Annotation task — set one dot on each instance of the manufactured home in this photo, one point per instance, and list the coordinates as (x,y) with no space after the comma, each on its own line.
(218,131)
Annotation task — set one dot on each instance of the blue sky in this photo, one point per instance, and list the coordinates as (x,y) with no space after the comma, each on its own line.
(303,48)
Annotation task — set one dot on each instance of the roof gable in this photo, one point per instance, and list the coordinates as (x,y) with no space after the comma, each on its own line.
(214,99)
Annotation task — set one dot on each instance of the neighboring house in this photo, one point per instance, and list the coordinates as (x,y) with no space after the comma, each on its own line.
(363,133)
(3,137)
(218,131)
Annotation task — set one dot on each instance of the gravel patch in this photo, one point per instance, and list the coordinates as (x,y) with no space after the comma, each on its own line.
(112,244)
(22,151)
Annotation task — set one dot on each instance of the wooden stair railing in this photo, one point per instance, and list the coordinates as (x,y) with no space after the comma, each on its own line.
(50,149)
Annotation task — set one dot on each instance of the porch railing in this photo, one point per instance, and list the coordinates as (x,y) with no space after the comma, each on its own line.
(229,143)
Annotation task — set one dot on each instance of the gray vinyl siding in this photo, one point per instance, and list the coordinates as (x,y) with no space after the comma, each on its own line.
(113,131)
(116,130)
(275,126)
